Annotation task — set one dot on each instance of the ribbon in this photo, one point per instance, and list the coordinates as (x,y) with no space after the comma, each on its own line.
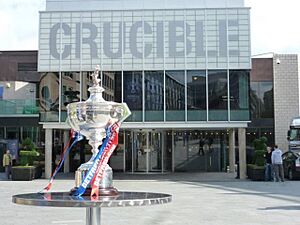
(64,154)
(91,173)
(109,149)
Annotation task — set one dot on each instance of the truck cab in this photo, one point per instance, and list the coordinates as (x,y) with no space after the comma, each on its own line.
(293,135)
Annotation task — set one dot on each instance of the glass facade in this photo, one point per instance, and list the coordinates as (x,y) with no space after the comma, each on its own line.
(262,112)
(168,150)
(35,133)
(157,96)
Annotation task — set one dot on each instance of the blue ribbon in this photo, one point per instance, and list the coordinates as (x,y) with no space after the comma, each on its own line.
(78,137)
(91,173)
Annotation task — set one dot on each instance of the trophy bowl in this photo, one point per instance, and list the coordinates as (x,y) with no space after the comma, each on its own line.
(91,118)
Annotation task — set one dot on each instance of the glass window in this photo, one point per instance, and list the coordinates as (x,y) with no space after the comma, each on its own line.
(266,97)
(70,91)
(1,92)
(49,97)
(86,83)
(261,98)
(128,151)
(198,150)
(239,95)
(117,159)
(254,100)
(2,132)
(217,95)
(12,132)
(175,97)
(112,82)
(196,95)
(30,132)
(133,96)
(154,96)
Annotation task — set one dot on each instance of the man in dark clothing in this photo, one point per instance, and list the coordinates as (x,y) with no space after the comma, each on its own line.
(268,165)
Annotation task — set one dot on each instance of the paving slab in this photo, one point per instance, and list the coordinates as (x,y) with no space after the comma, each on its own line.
(198,199)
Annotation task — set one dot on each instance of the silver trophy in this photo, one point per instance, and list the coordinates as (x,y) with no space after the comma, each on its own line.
(91,118)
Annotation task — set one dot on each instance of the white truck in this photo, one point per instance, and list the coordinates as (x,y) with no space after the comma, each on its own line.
(293,135)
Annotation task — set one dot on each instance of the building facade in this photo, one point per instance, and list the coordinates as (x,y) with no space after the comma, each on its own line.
(19,111)
(182,69)
(274,97)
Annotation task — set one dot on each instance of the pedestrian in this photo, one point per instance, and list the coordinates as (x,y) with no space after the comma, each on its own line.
(7,163)
(268,165)
(277,164)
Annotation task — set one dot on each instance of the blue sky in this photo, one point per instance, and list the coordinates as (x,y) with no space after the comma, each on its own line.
(274,25)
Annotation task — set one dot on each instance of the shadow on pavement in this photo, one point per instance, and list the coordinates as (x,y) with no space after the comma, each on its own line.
(287,207)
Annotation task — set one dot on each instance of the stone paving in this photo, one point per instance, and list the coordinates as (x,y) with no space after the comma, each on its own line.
(198,199)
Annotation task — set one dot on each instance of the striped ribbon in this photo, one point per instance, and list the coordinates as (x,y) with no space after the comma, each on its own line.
(64,154)
(109,149)
(91,173)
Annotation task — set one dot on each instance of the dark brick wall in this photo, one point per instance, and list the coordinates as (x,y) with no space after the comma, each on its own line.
(11,68)
(262,69)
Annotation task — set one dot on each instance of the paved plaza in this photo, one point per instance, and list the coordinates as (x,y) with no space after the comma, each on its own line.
(198,199)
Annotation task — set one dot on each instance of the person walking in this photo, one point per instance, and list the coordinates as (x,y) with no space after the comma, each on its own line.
(7,162)
(268,166)
(277,164)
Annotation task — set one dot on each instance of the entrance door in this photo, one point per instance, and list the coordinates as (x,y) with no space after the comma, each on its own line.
(147,148)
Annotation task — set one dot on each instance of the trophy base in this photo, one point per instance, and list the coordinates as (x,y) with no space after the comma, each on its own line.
(106,192)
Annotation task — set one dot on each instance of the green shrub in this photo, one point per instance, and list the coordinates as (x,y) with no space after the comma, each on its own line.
(27,157)
(260,147)
(27,144)
(28,154)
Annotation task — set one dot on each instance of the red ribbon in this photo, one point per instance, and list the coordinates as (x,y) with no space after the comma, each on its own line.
(62,156)
(109,149)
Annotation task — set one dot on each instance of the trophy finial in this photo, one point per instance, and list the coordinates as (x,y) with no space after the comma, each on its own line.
(95,76)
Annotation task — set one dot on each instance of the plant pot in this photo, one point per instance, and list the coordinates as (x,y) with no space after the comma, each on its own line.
(256,173)
(22,173)
(38,172)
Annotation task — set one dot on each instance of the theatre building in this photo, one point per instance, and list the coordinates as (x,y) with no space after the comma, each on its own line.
(181,66)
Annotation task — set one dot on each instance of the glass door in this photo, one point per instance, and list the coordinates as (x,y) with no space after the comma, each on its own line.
(140,151)
(146,149)
(154,151)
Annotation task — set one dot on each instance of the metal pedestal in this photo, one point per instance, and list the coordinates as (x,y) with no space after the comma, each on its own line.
(93,216)
(93,207)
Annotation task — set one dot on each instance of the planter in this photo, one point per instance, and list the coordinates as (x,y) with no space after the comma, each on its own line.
(38,171)
(256,173)
(23,173)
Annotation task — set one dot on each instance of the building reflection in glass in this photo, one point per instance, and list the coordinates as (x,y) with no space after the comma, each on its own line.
(154,95)
(133,94)
(175,96)
(49,97)
(196,91)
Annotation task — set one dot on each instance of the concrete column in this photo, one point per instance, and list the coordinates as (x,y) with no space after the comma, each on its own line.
(242,153)
(66,137)
(231,150)
(48,153)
